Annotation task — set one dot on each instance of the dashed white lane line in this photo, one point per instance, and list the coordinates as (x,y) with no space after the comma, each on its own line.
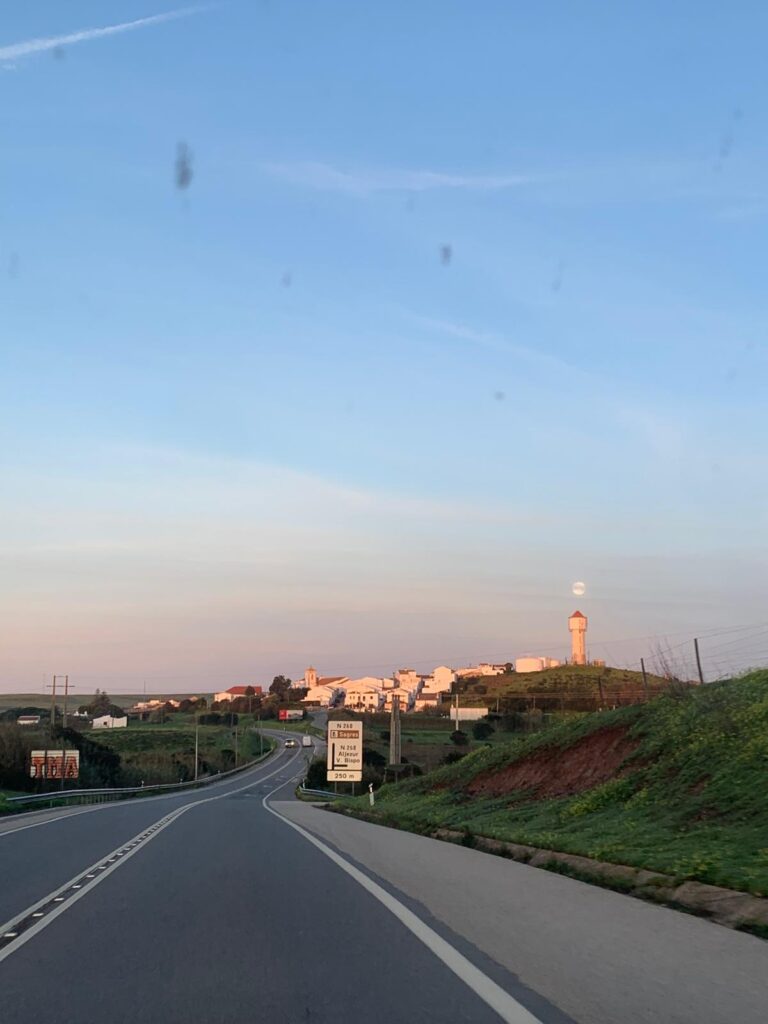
(493,995)
(30,922)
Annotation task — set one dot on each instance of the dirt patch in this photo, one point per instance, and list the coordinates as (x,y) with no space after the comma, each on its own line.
(551,772)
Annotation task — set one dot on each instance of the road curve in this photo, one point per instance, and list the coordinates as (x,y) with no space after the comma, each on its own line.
(239,903)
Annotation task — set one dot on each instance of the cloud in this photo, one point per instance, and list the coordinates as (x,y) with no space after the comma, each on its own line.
(661,430)
(363,182)
(497,343)
(16,51)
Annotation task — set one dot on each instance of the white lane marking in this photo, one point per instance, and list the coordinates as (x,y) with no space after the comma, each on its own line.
(110,864)
(117,803)
(485,988)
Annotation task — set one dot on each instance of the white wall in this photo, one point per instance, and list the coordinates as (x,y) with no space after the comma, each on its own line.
(107,722)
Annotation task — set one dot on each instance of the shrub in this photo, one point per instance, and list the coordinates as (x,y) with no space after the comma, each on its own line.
(459,738)
(453,757)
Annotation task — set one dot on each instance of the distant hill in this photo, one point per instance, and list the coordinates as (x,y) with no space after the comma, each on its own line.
(677,785)
(76,698)
(590,685)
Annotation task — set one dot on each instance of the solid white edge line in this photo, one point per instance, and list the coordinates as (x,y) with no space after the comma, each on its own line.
(118,858)
(485,988)
(50,821)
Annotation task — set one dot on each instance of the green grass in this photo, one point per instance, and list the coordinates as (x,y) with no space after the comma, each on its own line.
(160,753)
(304,726)
(567,681)
(691,801)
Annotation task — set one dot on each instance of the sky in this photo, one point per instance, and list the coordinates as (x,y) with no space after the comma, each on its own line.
(353,334)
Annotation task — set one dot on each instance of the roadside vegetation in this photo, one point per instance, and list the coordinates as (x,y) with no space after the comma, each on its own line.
(158,746)
(676,785)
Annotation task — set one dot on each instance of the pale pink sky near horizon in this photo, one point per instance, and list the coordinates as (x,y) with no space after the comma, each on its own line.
(220,572)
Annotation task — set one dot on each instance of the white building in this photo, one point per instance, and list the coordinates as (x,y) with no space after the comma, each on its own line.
(534,664)
(366,694)
(407,698)
(485,668)
(427,701)
(108,722)
(232,693)
(459,715)
(441,680)
(408,678)
(325,694)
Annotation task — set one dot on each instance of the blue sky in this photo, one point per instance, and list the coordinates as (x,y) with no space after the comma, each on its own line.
(270,418)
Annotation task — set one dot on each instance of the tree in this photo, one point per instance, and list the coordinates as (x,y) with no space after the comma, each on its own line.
(459,738)
(482,730)
(102,705)
(280,687)
(373,758)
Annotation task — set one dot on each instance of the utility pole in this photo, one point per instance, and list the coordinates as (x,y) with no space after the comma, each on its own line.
(394,732)
(235,746)
(197,744)
(645,677)
(698,660)
(456,712)
(63,727)
(66,694)
(49,741)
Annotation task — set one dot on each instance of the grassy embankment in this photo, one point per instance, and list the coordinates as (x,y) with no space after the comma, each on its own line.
(583,687)
(677,785)
(166,753)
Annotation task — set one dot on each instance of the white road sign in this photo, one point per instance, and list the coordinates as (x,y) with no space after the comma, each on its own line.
(345,751)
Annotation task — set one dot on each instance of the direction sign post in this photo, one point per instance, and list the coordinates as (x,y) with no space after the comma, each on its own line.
(345,751)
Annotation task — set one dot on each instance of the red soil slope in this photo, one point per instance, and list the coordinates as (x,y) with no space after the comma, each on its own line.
(551,772)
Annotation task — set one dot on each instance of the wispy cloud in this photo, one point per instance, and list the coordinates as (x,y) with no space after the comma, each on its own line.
(659,428)
(365,181)
(17,51)
(496,343)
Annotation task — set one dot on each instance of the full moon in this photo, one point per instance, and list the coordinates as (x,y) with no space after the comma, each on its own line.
(578,588)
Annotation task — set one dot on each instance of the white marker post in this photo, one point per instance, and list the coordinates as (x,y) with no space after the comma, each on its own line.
(371,794)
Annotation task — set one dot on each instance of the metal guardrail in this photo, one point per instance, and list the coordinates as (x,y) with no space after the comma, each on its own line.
(118,793)
(319,793)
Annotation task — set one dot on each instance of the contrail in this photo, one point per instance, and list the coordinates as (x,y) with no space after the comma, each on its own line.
(26,49)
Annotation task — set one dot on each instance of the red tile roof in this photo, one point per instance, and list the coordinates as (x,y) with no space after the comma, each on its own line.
(578,615)
(239,691)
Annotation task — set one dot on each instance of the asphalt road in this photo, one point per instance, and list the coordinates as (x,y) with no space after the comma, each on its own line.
(238,903)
